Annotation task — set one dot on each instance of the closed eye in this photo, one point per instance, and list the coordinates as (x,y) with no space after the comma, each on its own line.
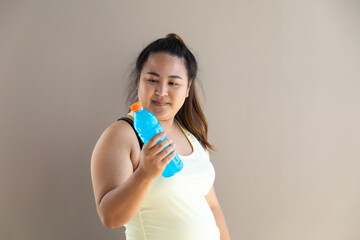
(155,81)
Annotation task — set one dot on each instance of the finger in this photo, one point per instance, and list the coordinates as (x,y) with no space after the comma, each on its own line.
(152,142)
(161,146)
(170,157)
(165,152)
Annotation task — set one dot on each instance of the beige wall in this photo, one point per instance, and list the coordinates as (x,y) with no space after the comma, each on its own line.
(282,87)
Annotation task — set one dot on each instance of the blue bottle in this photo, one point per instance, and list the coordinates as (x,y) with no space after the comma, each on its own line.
(147,126)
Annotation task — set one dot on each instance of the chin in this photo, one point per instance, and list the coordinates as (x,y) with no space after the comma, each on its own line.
(161,114)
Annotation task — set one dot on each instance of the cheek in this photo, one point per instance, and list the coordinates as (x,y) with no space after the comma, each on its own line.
(143,89)
(141,92)
(180,95)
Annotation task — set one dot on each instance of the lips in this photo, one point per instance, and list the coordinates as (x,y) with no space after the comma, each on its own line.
(159,103)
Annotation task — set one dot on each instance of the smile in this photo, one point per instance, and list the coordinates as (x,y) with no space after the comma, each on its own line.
(160,103)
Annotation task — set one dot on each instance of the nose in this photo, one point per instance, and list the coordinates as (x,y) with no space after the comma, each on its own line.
(161,90)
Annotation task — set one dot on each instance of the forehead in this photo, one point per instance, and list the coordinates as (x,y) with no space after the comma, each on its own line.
(165,65)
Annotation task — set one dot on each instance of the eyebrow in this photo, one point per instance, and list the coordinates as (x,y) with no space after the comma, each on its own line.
(158,75)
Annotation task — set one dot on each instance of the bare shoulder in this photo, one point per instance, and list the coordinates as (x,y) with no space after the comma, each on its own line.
(111,160)
(116,138)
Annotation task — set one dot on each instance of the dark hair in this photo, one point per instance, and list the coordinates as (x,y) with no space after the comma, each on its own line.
(190,114)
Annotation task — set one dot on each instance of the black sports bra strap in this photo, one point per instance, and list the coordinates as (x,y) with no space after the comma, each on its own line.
(132,125)
(140,142)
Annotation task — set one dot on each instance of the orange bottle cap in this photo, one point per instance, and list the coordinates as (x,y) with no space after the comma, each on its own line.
(136,106)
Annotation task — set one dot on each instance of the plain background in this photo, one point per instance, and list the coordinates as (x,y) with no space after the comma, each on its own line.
(281,84)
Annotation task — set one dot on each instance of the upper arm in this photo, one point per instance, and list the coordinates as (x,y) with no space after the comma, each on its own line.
(111,164)
(211,196)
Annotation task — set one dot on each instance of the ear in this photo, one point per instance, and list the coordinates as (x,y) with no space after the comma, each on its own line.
(188,87)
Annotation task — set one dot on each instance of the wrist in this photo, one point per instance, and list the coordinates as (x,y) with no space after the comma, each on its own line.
(144,176)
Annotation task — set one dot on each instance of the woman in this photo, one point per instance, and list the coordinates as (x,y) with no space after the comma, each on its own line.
(126,175)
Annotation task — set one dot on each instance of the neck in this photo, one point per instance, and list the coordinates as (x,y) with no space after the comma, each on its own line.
(167,125)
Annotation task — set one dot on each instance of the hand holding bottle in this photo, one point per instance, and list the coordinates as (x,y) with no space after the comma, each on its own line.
(155,155)
(147,126)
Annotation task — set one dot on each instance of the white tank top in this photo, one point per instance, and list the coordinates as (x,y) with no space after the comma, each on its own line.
(175,208)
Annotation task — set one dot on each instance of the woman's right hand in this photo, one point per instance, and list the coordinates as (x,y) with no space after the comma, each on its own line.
(153,157)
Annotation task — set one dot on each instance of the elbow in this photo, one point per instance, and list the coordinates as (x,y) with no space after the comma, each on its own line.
(111,225)
(112,221)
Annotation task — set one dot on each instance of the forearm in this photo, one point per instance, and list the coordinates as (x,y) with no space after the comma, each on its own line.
(221,222)
(120,204)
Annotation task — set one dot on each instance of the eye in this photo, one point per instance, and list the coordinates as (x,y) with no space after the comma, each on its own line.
(152,80)
(174,84)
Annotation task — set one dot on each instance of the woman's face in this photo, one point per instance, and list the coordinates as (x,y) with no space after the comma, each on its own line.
(163,85)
